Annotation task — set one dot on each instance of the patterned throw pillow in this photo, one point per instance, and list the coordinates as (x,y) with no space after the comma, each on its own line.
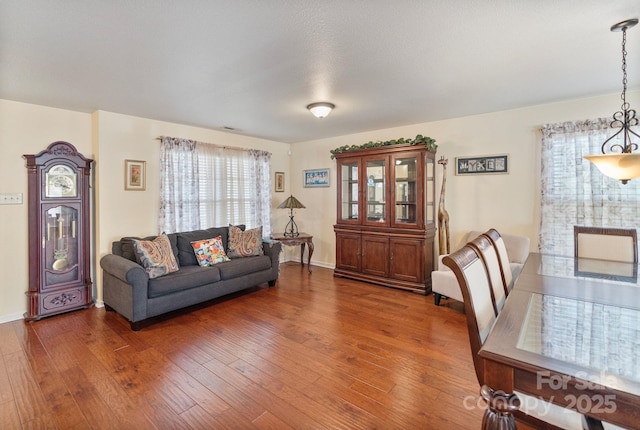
(209,251)
(245,243)
(156,256)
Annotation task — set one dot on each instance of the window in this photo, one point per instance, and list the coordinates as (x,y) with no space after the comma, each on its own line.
(574,192)
(204,185)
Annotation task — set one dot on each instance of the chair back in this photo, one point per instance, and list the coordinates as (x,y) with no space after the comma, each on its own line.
(475,286)
(505,266)
(601,243)
(489,256)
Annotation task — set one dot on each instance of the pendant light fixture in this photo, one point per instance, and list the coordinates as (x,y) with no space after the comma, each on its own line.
(321,109)
(621,163)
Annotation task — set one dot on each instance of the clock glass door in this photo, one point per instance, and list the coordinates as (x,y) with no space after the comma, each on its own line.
(60,245)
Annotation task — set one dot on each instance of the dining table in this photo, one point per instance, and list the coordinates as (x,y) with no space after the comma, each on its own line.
(569,333)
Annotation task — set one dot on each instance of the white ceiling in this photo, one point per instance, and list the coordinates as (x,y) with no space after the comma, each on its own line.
(254,65)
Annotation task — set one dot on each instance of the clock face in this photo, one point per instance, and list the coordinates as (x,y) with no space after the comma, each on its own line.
(61,182)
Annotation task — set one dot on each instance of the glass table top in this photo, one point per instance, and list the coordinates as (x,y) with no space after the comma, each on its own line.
(589,335)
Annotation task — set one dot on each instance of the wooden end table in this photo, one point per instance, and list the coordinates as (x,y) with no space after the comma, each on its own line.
(302,239)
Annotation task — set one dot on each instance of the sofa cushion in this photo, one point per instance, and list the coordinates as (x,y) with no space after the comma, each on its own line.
(186,256)
(156,256)
(209,251)
(124,246)
(188,277)
(243,266)
(245,243)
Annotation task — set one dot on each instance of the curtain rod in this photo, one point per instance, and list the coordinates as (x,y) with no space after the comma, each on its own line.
(212,144)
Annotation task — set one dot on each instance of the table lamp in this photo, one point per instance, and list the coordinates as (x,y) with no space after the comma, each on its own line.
(291,203)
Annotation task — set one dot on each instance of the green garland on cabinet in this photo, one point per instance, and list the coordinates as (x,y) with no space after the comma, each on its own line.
(419,140)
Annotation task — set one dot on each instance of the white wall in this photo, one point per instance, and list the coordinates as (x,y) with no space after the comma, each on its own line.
(509,202)
(27,129)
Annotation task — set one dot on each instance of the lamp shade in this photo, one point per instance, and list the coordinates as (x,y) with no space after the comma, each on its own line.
(617,166)
(321,109)
(291,203)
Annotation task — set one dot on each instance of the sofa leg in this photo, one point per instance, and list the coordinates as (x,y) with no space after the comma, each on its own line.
(137,326)
(436,298)
(272,283)
(108,308)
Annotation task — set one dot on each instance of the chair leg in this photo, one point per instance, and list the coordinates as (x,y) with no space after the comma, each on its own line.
(589,423)
(500,409)
(436,298)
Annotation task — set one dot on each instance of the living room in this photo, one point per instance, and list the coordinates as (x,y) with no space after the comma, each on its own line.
(111,138)
(509,202)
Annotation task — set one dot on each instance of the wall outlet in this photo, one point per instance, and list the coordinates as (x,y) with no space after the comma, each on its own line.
(10,198)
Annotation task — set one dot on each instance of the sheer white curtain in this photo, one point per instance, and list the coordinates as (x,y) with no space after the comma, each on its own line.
(574,192)
(179,175)
(228,186)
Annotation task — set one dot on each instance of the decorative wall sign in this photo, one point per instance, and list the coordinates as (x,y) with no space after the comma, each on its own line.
(484,165)
(316,178)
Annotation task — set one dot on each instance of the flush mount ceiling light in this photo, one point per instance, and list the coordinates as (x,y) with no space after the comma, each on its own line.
(321,109)
(621,163)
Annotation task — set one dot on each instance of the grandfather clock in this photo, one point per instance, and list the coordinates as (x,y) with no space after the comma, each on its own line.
(59,231)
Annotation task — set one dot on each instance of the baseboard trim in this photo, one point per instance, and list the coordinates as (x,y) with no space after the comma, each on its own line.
(11,317)
(313,263)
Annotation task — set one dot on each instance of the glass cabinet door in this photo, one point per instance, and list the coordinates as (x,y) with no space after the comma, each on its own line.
(376,199)
(406,190)
(430,191)
(349,191)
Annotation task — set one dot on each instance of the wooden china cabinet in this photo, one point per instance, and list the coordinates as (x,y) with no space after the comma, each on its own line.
(59,231)
(385,226)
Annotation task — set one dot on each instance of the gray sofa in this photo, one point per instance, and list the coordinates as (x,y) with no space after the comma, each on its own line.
(128,290)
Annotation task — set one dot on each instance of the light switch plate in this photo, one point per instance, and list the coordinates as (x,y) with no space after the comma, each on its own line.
(10,198)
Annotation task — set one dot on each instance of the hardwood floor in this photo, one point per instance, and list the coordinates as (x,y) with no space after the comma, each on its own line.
(314,352)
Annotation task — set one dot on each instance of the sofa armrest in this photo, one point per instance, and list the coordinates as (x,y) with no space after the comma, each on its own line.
(441,266)
(126,270)
(445,283)
(272,249)
(125,287)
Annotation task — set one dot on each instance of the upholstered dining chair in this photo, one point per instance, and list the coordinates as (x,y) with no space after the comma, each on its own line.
(508,277)
(602,243)
(489,256)
(443,282)
(475,284)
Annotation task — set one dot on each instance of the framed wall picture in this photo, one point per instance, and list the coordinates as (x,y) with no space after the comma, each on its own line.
(134,175)
(482,165)
(316,178)
(279,181)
